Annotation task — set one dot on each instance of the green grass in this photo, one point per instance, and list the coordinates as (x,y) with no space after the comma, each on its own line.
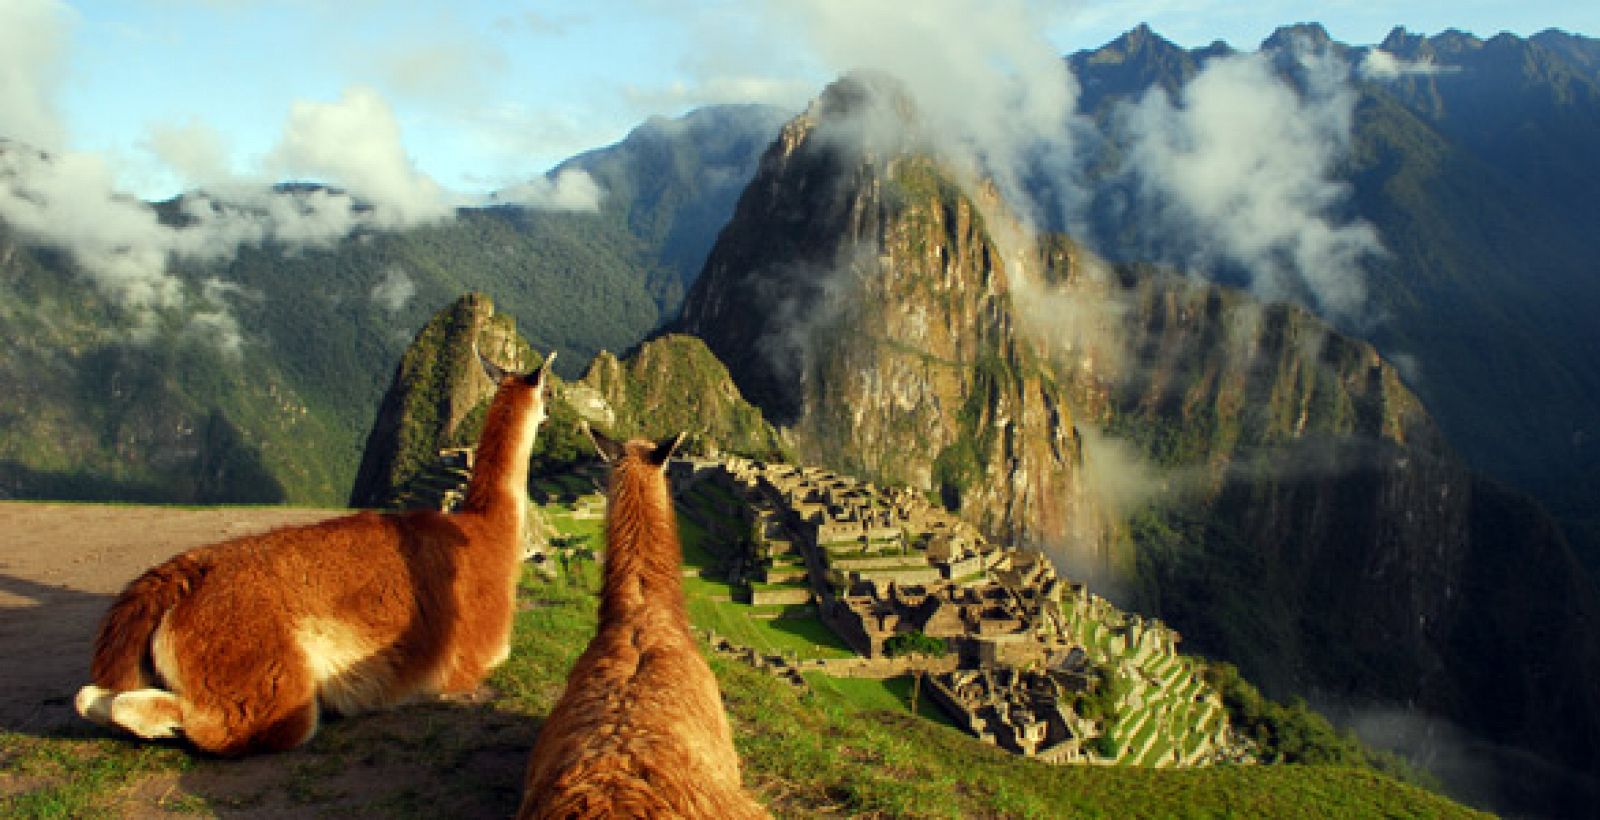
(566,522)
(82,770)
(698,546)
(868,695)
(711,607)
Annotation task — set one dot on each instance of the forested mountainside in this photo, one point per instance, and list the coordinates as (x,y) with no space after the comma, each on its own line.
(103,403)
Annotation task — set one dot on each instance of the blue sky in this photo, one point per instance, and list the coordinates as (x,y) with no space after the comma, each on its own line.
(482,94)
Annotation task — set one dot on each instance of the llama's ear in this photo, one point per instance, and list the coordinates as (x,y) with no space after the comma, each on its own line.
(495,372)
(609,448)
(541,376)
(665,448)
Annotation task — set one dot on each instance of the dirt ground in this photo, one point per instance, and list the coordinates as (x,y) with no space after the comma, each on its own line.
(60,567)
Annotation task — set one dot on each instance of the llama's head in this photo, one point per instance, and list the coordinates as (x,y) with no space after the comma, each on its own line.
(533,382)
(652,453)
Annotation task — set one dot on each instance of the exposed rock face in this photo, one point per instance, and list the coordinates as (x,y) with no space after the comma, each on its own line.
(1305,449)
(438,395)
(858,300)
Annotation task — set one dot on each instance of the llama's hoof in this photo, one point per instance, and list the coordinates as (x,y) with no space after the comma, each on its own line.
(94,704)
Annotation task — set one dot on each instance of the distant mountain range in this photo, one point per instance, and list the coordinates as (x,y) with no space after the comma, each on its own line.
(1475,161)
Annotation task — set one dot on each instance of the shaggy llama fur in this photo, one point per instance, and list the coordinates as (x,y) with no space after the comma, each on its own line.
(640,730)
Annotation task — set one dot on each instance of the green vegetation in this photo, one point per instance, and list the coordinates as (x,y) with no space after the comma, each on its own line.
(108,406)
(913,643)
(438,399)
(675,384)
(1294,733)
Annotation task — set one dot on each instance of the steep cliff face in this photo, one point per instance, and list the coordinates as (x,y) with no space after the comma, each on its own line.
(438,395)
(1334,516)
(857,298)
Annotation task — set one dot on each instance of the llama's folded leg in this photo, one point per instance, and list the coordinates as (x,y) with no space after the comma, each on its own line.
(149,713)
(264,727)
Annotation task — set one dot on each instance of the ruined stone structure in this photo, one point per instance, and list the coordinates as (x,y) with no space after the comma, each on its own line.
(1022,711)
(880,562)
(1024,645)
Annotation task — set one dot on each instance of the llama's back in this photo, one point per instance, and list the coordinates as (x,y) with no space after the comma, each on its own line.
(597,793)
(355,567)
(640,731)
(346,596)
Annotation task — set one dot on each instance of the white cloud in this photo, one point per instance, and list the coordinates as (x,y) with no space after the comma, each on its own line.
(355,143)
(33,35)
(1240,171)
(395,290)
(1383,66)
(570,190)
(67,200)
(195,152)
(723,88)
(987,83)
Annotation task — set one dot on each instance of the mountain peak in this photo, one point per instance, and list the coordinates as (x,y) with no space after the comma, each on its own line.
(865,93)
(1454,41)
(1403,43)
(1286,36)
(1134,62)
(1138,43)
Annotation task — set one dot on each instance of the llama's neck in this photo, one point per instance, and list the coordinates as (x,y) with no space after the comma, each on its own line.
(643,556)
(500,467)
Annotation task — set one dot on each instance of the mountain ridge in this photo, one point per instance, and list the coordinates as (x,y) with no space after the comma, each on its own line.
(1330,508)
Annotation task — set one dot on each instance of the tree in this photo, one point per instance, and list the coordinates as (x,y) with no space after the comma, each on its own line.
(918,647)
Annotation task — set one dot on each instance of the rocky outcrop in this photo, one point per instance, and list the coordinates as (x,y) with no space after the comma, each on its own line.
(672,384)
(438,395)
(859,301)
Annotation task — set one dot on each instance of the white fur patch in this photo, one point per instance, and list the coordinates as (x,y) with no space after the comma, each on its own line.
(94,704)
(350,674)
(164,656)
(501,655)
(149,713)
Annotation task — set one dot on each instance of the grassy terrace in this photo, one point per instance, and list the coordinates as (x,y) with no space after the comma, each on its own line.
(715,604)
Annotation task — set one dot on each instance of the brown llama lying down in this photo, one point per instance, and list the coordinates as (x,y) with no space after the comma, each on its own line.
(236,645)
(640,730)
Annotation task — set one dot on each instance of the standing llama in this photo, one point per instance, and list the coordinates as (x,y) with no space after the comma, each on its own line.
(238,645)
(640,730)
